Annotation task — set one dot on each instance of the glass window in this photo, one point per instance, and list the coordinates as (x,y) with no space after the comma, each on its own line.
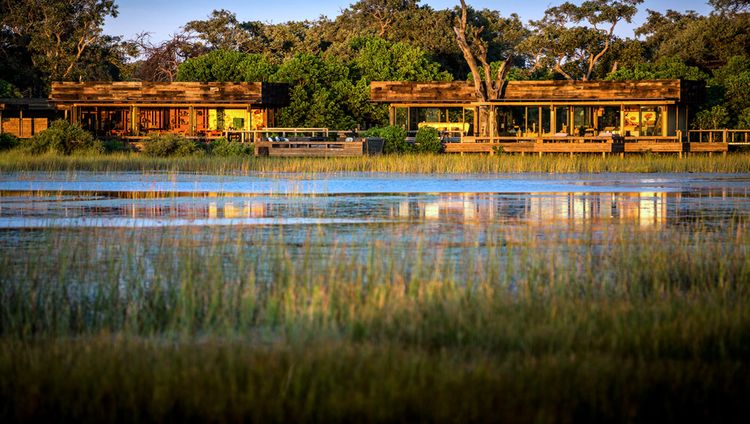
(632,123)
(609,120)
(582,118)
(651,121)
(400,115)
(546,119)
(562,123)
(532,120)
(469,120)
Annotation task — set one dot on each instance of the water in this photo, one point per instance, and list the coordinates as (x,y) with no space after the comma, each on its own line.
(452,203)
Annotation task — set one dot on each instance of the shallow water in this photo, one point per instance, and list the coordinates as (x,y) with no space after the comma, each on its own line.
(42,200)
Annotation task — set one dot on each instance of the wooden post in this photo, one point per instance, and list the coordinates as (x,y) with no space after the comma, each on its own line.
(20,123)
(622,120)
(191,120)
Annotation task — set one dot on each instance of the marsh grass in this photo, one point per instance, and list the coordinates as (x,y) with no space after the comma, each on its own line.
(15,161)
(228,324)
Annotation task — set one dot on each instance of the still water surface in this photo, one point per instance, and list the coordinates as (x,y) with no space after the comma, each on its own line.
(43,200)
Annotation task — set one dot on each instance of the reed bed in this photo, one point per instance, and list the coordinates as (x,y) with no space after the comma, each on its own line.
(15,161)
(507,323)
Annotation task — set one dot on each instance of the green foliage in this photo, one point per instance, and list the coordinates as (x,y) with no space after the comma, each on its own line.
(733,79)
(171,145)
(394,139)
(225,148)
(320,94)
(226,66)
(379,60)
(743,120)
(714,118)
(64,138)
(671,68)
(427,140)
(8,141)
(8,90)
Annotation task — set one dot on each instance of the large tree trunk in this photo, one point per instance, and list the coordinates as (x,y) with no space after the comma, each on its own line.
(486,87)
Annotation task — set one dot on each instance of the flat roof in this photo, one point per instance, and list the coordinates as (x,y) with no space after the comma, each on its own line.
(539,91)
(223,93)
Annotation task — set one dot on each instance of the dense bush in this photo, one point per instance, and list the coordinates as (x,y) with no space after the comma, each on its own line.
(224,147)
(64,138)
(8,141)
(714,118)
(171,145)
(427,140)
(394,139)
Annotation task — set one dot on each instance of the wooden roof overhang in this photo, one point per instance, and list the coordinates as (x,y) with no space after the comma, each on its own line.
(216,94)
(36,104)
(541,92)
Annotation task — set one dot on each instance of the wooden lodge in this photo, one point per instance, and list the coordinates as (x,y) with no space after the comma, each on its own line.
(135,110)
(552,116)
(25,117)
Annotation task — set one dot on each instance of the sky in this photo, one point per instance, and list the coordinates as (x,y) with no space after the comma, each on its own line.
(164,17)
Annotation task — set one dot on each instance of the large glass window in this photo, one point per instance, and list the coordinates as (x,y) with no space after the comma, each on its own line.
(469,120)
(562,120)
(582,119)
(400,115)
(532,120)
(546,119)
(609,120)
(651,121)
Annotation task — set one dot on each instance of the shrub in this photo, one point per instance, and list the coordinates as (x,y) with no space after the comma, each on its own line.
(64,138)
(427,140)
(714,118)
(224,147)
(394,139)
(171,145)
(743,121)
(8,141)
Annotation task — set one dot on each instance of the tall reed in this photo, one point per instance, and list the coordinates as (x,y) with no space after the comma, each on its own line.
(15,161)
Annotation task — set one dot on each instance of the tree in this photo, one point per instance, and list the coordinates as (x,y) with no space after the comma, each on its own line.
(222,31)
(704,41)
(573,39)
(58,33)
(379,14)
(670,68)
(320,93)
(378,60)
(161,60)
(730,6)
(226,66)
(474,50)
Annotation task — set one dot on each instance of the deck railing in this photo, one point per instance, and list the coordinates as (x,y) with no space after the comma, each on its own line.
(264,134)
(719,136)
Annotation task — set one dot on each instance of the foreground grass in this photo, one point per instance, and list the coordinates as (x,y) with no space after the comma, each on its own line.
(733,163)
(506,325)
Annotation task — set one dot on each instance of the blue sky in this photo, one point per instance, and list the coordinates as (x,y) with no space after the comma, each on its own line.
(164,17)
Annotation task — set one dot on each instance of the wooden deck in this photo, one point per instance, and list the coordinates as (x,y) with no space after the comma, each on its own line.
(310,148)
(671,145)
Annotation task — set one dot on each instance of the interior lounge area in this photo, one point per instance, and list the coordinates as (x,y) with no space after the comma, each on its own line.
(524,121)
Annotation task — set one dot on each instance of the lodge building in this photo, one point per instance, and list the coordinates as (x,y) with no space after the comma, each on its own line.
(529,117)
(550,116)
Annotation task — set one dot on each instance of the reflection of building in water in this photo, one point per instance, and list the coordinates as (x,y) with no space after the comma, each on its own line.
(574,208)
